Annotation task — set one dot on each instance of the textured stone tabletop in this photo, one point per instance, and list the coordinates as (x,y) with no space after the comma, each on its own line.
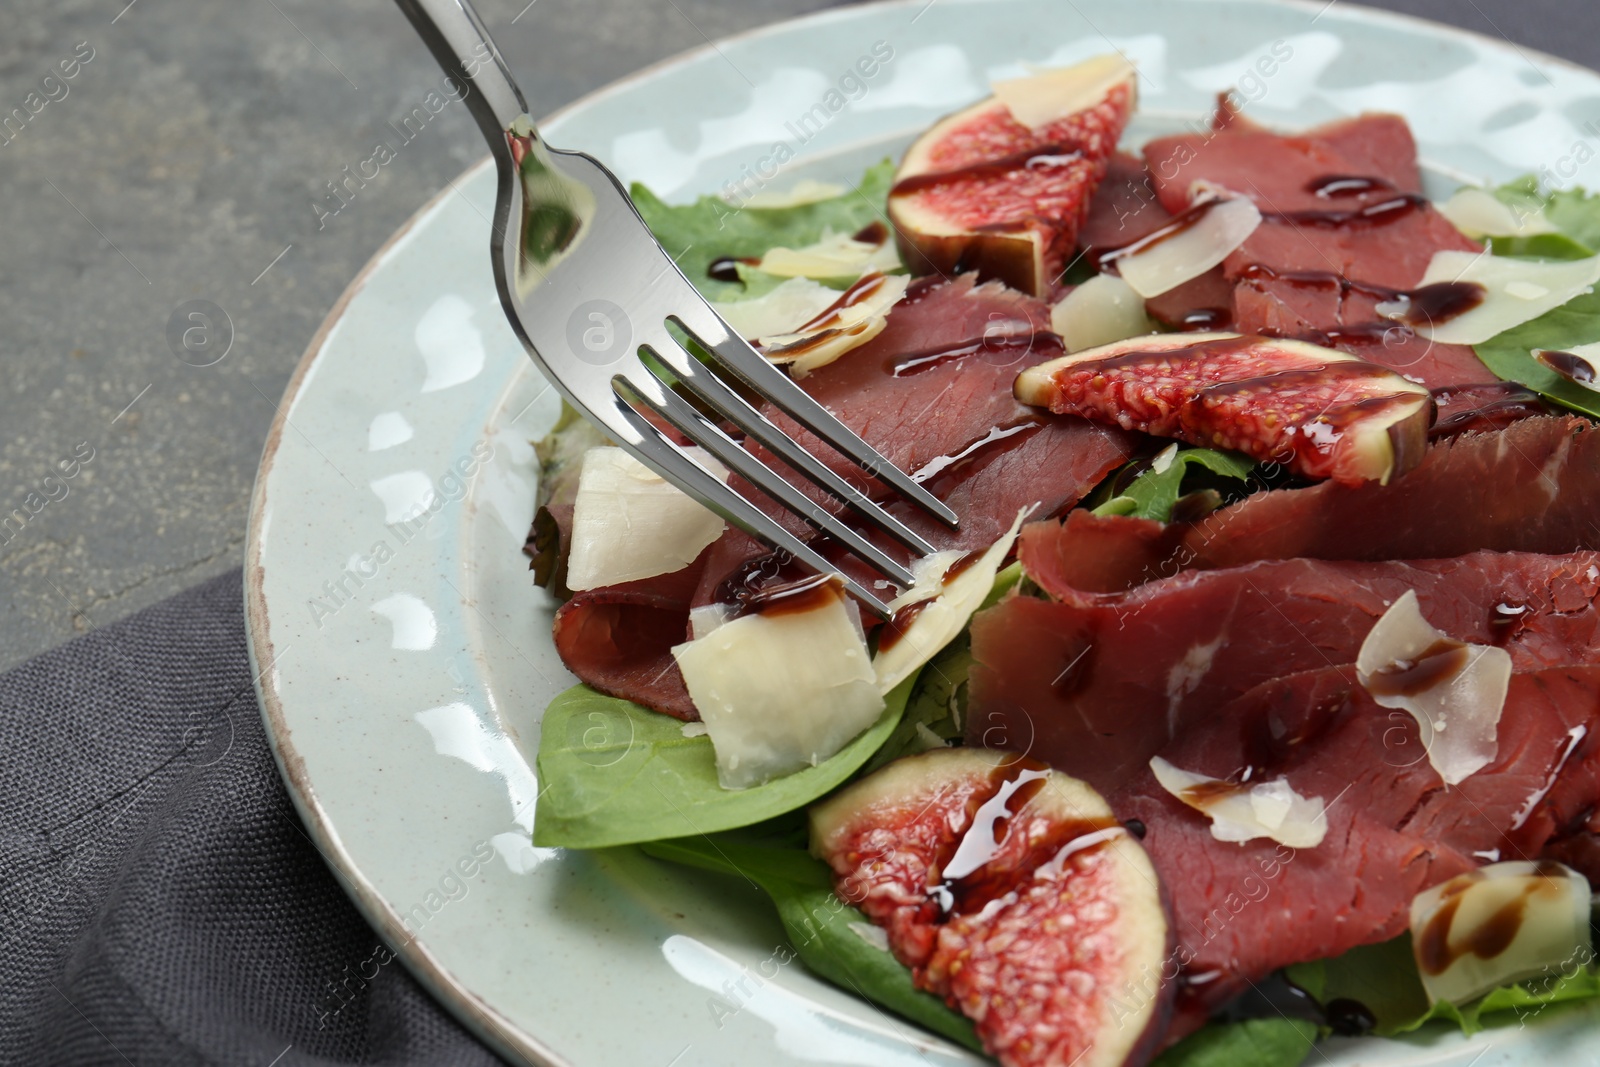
(183,161)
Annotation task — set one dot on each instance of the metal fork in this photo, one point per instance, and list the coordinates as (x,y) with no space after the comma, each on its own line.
(587,288)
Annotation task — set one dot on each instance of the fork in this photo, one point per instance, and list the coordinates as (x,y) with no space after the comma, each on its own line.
(591,295)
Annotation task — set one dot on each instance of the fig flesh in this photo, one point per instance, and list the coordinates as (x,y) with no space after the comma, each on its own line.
(1013,892)
(1003,186)
(1319,412)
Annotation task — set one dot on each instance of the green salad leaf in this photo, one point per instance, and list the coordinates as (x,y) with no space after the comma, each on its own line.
(711,228)
(936,711)
(1576,214)
(829,936)
(1510,355)
(615,773)
(1384,978)
(1252,1043)
(1152,494)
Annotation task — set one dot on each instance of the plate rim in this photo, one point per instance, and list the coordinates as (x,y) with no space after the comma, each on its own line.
(507,1039)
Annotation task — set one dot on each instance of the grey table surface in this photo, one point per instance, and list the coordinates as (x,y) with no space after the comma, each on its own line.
(182,164)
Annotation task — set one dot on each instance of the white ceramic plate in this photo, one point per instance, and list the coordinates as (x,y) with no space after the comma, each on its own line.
(403,665)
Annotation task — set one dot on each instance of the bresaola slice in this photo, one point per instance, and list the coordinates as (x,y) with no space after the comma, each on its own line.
(1002,187)
(1531,487)
(1319,412)
(1013,892)
(1242,911)
(1054,676)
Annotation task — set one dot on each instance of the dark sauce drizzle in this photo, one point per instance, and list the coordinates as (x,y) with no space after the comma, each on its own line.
(1044,155)
(969,879)
(1488,407)
(1574,368)
(726,268)
(975,450)
(1337,186)
(1437,664)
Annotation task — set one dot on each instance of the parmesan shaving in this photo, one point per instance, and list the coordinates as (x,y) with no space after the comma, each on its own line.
(1515,291)
(1101,310)
(1189,253)
(1458,714)
(1453,922)
(781,692)
(1478,213)
(629,523)
(1245,812)
(948,606)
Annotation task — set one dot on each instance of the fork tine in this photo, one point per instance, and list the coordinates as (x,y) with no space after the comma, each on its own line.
(748,418)
(671,463)
(760,374)
(710,437)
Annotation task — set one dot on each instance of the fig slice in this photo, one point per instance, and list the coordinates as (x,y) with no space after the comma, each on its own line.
(1319,412)
(1003,186)
(1010,890)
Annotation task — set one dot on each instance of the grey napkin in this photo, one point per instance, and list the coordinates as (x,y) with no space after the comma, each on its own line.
(160,902)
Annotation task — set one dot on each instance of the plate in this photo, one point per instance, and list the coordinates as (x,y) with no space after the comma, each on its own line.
(403,655)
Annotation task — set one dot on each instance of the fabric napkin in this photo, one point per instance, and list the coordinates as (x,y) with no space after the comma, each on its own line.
(160,902)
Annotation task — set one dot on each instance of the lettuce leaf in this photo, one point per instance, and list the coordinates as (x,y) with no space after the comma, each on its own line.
(711,228)
(615,773)
(1576,214)
(1384,978)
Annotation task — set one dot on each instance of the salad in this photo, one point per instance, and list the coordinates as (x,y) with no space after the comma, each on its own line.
(1253,700)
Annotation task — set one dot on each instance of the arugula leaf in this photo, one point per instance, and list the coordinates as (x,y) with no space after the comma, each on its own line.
(1384,978)
(711,227)
(614,773)
(1252,1043)
(1153,493)
(821,927)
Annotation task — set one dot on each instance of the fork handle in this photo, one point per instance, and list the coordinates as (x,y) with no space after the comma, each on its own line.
(456,36)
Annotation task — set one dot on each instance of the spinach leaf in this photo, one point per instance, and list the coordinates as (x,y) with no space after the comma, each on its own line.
(1576,214)
(614,773)
(1251,1043)
(1384,978)
(1153,493)
(1510,355)
(711,227)
(821,927)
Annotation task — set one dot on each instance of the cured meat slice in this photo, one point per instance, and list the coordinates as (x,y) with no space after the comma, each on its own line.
(619,639)
(1096,684)
(933,392)
(1531,487)
(1344,227)
(1241,911)
(1284,168)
